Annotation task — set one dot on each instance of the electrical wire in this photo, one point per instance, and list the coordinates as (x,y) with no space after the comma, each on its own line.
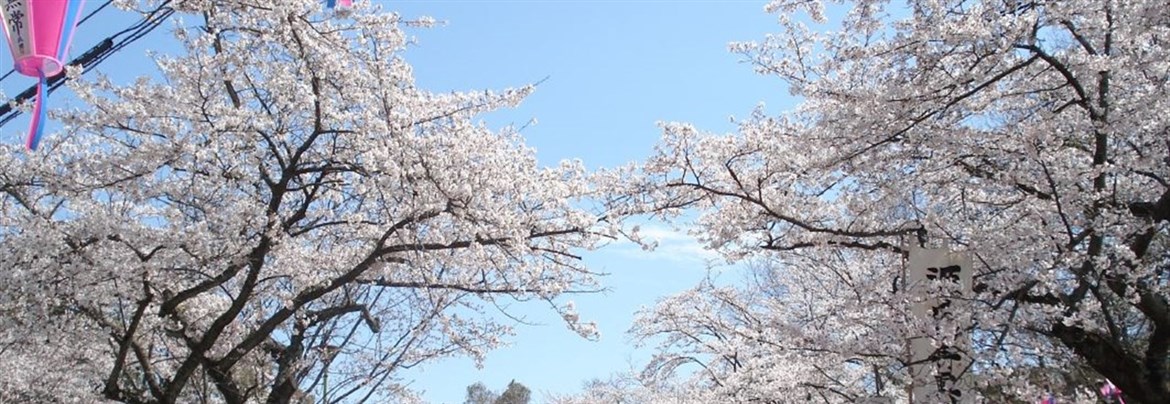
(84,19)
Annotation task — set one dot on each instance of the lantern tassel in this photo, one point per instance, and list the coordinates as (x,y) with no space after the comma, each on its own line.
(36,128)
(72,11)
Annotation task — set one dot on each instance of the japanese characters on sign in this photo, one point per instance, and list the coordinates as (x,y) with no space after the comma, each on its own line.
(940,357)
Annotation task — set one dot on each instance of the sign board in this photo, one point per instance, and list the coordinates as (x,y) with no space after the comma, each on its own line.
(940,357)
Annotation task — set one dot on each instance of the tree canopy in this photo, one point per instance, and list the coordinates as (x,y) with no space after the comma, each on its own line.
(262,223)
(1031,135)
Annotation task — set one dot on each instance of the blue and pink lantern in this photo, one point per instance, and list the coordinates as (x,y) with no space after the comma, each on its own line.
(39,32)
(333,3)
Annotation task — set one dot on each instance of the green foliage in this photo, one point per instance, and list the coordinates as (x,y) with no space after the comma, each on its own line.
(516,393)
(478,393)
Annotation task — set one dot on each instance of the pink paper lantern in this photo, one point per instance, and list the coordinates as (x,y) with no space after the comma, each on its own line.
(334,3)
(38,33)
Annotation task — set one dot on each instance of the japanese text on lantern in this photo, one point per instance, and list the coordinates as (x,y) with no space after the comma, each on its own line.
(15,16)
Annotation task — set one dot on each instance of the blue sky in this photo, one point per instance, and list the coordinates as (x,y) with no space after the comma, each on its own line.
(614,68)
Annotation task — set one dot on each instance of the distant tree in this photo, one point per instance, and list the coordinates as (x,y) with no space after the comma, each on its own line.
(628,388)
(515,394)
(478,393)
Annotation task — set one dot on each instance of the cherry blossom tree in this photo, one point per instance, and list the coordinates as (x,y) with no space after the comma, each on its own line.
(1032,135)
(768,340)
(626,388)
(281,216)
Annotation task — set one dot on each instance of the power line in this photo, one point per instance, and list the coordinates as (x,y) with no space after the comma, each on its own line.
(92,57)
(83,20)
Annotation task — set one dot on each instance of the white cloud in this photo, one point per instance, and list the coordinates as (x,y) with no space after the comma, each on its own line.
(671,244)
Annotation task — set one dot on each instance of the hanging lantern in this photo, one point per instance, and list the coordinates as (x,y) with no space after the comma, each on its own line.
(333,3)
(39,32)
